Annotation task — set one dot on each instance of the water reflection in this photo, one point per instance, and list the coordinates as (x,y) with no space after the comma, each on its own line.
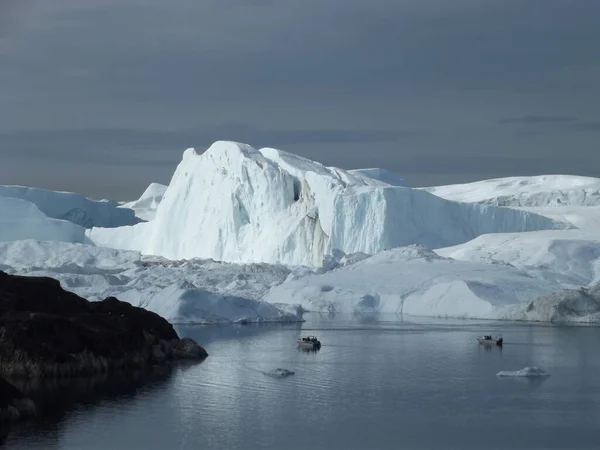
(56,398)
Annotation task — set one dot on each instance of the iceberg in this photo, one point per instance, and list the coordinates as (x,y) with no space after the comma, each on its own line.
(20,219)
(565,306)
(184,303)
(536,191)
(145,207)
(73,207)
(238,204)
(571,257)
(527,372)
(413,281)
(185,292)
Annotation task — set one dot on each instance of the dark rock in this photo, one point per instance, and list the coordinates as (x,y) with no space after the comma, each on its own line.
(186,348)
(47,331)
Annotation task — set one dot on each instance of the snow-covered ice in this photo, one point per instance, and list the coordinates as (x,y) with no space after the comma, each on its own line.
(234,203)
(194,291)
(184,303)
(382,175)
(537,191)
(73,207)
(566,306)
(414,281)
(527,372)
(20,219)
(570,257)
(145,207)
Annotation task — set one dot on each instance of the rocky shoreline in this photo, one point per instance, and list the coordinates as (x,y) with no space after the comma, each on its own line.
(48,332)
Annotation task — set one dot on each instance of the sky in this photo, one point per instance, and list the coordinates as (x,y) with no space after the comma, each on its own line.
(102,97)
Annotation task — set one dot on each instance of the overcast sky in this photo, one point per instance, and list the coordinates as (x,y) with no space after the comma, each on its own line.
(102,96)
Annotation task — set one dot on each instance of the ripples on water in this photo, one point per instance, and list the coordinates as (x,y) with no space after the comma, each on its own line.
(377,382)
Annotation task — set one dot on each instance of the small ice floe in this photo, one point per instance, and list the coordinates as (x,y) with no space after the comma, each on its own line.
(279,373)
(530,372)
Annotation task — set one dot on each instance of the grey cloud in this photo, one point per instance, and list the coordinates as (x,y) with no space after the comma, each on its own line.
(348,82)
(586,126)
(152,147)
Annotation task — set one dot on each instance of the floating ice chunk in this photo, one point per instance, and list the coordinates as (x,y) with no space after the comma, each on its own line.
(279,373)
(526,372)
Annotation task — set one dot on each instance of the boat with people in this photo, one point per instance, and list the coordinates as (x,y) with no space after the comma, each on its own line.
(489,340)
(308,342)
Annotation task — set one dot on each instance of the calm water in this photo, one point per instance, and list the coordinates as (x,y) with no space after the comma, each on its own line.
(375,384)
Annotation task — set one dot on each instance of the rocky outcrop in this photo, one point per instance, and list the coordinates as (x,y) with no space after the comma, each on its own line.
(46,331)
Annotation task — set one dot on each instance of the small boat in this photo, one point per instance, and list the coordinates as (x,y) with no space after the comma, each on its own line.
(309,342)
(489,340)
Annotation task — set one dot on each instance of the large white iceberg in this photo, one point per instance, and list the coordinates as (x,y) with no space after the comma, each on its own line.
(235,203)
(73,207)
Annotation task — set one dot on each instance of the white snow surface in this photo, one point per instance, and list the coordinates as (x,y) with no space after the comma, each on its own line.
(536,191)
(527,372)
(73,207)
(20,219)
(234,203)
(145,207)
(414,281)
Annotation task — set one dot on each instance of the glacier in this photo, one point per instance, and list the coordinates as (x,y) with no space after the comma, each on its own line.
(238,204)
(73,207)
